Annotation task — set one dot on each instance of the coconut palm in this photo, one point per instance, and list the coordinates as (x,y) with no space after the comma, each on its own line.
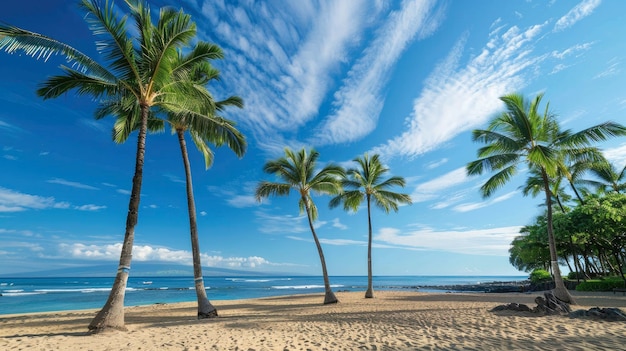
(523,134)
(609,177)
(298,172)
(200,119)
(142,77)
(367,183)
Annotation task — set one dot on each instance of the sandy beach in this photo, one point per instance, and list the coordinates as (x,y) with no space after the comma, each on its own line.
(391,321)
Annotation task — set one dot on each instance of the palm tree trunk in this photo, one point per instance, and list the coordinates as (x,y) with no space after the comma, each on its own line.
(112,314)
(370,290)
(560,291)
(205,308)
(329,296)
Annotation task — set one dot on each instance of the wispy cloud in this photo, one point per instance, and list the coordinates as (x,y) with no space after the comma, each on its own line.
(9,127)
(173,178)
(495,241)
(612,70)
(295,46)
(14,201)
(72,184)
(243,201)
(90,207)
(359,102)
(337,224)
(435,164)
(458,99)
(466,207)
(616,155)
(580,11)
(123,191)
(280,224)
(433,189)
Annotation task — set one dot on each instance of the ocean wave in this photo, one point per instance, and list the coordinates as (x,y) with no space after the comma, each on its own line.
(305,286)
(249,280)
(21,293)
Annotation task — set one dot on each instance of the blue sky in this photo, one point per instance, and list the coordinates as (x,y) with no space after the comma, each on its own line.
(406,79)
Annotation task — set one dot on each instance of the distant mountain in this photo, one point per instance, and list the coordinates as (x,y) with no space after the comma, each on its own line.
(140,269)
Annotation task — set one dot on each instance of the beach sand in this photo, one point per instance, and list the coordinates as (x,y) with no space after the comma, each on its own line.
(398,320)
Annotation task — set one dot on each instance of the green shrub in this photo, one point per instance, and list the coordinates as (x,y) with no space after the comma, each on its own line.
(607,284)
(540,276)
(574,276)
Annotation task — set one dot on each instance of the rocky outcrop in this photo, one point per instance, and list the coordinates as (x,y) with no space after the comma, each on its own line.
(546,305)
(608,314)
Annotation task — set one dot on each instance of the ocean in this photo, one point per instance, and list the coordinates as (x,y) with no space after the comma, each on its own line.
(26,295)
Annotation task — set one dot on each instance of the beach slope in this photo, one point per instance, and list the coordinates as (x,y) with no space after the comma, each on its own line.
(390,321)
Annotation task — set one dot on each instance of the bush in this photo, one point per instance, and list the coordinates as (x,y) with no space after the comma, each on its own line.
(607,284)
(574,276)
(540,276)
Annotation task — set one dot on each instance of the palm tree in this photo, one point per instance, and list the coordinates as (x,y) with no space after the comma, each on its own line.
(142,76)
(523,134)
(204,126)
(609,177)
(366,183)
(203,130)
(298,172)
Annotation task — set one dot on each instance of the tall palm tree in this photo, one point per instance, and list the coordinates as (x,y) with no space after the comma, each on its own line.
(141,78)
(298,172)
(365,183)
(200,119)
(523,133)
(203,131)
(609,177)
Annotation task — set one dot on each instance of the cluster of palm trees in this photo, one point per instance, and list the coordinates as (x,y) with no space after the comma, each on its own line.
(160,78)
(526,134)
(155,78)
(589,230)
(298,171)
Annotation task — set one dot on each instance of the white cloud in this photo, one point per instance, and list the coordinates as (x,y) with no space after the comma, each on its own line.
(612,70)
(243,201)
(203,213)
(435,164)
(337,224)
(173,178)
(435,188)
(617,156)
(72,184)
(495,241)
(580,11)
(572,50)
(360,101)
(142,253)
(123,191)
(466,207)
(296,47)
(13,201)
(282,224)
(89,207)
(455,100)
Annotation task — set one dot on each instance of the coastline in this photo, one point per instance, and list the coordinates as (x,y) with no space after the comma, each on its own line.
(392,320)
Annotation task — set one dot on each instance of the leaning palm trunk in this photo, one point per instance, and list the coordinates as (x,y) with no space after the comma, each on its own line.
(329,296)
(560,291)
(370,289)
(112,314)
(205,308)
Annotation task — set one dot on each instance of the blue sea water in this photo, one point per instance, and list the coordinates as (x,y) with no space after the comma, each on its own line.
(25,295)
